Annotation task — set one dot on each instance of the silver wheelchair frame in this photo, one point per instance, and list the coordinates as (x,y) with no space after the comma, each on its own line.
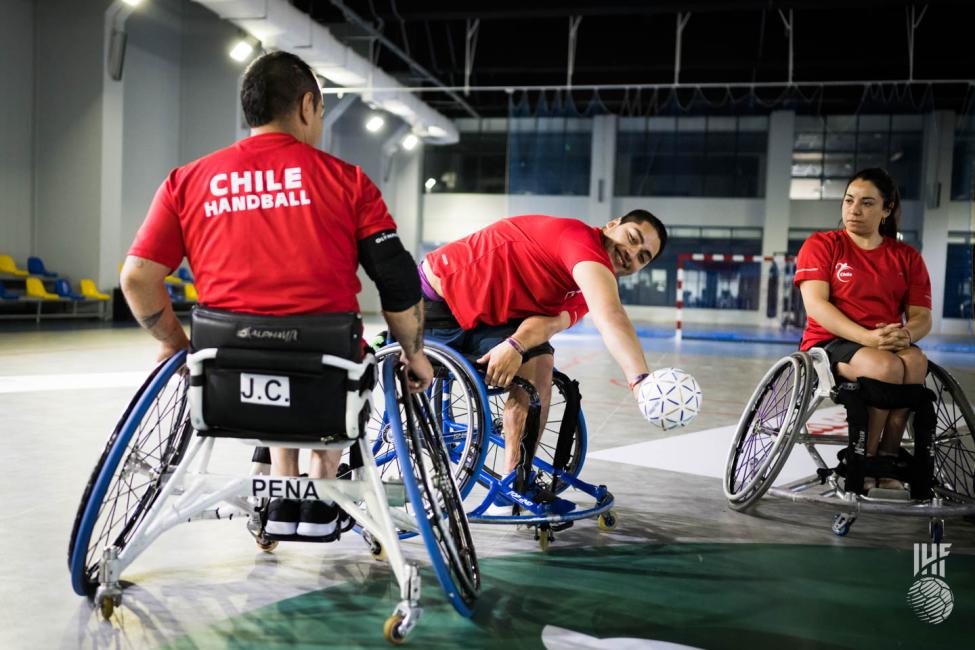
(813,382)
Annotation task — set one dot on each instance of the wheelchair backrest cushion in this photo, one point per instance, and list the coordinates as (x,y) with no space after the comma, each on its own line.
(268,378)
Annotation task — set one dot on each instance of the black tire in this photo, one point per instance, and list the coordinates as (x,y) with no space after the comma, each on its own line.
(767,429)
(953,443)
(148,442)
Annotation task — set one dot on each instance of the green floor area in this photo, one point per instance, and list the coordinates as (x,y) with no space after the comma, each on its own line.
(701,595)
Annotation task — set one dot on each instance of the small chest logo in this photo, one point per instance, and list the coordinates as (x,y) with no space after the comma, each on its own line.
(844,272)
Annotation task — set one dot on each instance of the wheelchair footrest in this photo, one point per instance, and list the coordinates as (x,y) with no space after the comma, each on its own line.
(334,537)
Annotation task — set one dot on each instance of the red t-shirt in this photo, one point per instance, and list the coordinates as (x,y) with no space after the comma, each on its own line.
(869,286)
(517,267)
(269,226)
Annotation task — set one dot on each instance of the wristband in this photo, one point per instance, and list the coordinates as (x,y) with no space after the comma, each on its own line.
(637,380)
(516,345)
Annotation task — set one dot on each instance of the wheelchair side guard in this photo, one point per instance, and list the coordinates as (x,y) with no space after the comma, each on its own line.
(918,469)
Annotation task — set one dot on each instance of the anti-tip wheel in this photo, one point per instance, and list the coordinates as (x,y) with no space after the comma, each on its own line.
(842,523)
(391,630)
(607,520)
(544,540)
(267,546)
(107,606)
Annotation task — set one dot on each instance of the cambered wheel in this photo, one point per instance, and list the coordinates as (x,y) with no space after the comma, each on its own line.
(456,405)
(147,443)
(767,429)
(953,443)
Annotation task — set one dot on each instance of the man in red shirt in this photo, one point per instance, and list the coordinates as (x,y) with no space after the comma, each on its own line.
(504,291)
(271,225)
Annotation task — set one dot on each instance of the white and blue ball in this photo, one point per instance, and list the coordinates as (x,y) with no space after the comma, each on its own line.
(669,398)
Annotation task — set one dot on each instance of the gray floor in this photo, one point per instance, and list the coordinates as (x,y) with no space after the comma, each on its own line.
(54,424)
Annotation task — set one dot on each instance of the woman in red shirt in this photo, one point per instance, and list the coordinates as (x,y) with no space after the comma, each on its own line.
(868,300)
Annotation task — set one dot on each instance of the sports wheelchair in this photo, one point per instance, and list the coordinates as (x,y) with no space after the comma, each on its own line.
(296,381)
(939,465)
(470,416)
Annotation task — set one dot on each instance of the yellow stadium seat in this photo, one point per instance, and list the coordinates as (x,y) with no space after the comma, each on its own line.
(172,279)
(90,291)
(189,292)
(7,265)
(35,289)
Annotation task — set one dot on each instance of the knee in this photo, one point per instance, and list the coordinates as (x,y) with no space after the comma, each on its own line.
(915,366)
(888,368)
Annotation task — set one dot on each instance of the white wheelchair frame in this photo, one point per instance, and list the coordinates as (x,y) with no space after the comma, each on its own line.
(814,489)
(192,493)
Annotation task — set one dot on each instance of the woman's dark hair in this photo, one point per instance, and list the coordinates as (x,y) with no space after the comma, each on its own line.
(642,216)
(887,187)
(273,86)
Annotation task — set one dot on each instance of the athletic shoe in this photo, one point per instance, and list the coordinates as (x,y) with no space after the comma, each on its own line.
(282,517)
(500,507)
(317,519)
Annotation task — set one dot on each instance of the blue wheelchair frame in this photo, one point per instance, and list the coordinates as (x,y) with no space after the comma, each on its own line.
(534,513)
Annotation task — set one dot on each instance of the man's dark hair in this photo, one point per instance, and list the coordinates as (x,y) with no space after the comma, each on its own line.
(273,86)
(642,216)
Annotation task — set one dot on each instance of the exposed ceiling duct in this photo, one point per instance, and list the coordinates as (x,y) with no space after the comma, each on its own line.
(277,24)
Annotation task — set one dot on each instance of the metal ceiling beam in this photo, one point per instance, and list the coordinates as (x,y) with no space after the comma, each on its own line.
(354,18)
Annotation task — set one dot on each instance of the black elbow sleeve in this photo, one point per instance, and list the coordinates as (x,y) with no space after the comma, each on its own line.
(392,268)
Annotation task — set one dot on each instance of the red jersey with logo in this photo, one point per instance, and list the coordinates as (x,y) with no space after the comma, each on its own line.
(517,267)
(869,286)
(269,226)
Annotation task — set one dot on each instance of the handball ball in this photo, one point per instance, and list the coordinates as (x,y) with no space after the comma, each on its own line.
(670,398)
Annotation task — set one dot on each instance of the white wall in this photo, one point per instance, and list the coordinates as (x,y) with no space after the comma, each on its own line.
(67,142)
(16,124)
(675,211)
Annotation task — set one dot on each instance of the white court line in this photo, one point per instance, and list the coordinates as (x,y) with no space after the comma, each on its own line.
(705,453)
(80,381)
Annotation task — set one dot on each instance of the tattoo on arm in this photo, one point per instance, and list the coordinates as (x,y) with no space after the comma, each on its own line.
(418,339)
(151,321)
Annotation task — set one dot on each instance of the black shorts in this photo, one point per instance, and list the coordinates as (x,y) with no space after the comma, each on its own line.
(441,326)
(840,351)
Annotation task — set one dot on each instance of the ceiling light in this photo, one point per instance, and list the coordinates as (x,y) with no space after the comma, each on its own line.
(241,50)
(410,142)
(375,123)
(436,131)
(430,183)
(132,3)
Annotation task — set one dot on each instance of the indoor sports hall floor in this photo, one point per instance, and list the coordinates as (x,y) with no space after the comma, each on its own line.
(680,568)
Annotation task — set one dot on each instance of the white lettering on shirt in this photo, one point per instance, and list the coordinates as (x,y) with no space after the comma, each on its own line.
(240,191)
(215,188)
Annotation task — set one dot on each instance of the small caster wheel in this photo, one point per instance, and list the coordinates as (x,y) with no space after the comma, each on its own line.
(842,523)
(377,551)
(607,520)
(936,530)
(391,630)
(107,606)
(267,546)
(544,537)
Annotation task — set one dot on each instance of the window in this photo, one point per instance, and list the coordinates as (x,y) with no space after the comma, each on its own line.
(958,276)
(691,156)
(475,164)
(828,150)
(549,156)
(731,285)
(963,162)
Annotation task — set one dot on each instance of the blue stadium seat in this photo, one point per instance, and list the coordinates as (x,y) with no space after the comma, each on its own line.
(7,295)
(184,274)
(63,289)
(35,266)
